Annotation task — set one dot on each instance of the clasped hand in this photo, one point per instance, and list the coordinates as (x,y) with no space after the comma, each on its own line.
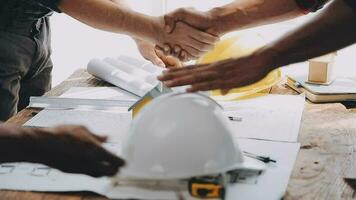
(224,75)
(187,34)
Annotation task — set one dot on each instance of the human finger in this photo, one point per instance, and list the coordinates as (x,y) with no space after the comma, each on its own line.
(205,86)
(106,160)
(189,68)
(81,166)
(172,18)
(192,53)
(167,75)
(193,78)
(169,61)
(184,56)
(201,47)
(155,59)
(205,37)
(223,83)
(167,49)
(176,50)
(99,161)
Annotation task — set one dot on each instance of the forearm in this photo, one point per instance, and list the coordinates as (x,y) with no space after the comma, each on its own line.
(121,3)
(124,4)
(111,15)
(244,14)
(332,29)
(14,144)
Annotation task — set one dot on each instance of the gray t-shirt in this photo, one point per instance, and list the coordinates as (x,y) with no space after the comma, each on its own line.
(311,5)
(352,4)
(27,10)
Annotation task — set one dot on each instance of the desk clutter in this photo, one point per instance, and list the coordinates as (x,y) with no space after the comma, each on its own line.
(132,75)
(339,90)
(267,128)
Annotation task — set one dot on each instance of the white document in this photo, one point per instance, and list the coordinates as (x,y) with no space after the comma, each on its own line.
(112,123)
(107,93)
(108,123)
(273,117)
(271,185)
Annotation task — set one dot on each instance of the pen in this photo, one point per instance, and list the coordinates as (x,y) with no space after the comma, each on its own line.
(236,119)
(261,158)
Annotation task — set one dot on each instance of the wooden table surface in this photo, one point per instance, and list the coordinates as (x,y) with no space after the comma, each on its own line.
(327,154)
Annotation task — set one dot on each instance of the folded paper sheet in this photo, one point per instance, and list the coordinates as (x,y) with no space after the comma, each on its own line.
(107,123)
(273,117)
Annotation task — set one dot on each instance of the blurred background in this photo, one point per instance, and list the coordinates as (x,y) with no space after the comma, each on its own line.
(74,43)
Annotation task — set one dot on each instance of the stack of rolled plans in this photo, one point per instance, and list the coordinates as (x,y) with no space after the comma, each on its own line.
(130,74)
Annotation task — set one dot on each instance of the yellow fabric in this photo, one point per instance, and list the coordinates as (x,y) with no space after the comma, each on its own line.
(233,47)
(236,46)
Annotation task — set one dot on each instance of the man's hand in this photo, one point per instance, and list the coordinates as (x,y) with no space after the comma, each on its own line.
(72,149)
(204,21)
(193,41)
(170,61)
(225,75)
(149,51)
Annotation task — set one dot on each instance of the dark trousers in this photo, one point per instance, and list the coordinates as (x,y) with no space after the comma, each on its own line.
(25,66)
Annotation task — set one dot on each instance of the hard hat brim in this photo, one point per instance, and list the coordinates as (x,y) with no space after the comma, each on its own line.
(248,164)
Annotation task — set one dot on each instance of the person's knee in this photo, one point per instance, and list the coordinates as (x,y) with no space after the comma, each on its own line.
(9,95)
(36,86)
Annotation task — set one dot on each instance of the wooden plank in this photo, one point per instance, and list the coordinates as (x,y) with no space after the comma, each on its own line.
(327,135)
(14,195)
(328,139)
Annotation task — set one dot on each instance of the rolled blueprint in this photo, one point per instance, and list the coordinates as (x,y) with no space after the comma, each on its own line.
(118,77)
(132,61)
(144,65)
(133,70)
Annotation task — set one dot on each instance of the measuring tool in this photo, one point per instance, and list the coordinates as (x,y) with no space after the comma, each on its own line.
(207,187)
(70,103)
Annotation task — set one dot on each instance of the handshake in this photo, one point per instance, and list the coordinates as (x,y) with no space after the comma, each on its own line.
(187,33)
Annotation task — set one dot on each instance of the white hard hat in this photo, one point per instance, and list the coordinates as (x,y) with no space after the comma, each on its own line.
(181,135)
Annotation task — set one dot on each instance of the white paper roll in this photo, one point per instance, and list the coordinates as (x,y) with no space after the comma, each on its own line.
(120,65)
(132,61)
(135,71)
(115,76)
(144,65)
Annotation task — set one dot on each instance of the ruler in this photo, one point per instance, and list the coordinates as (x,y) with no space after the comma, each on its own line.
(70,103)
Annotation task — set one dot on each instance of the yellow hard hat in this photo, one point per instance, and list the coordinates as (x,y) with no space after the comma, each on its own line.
(239,45)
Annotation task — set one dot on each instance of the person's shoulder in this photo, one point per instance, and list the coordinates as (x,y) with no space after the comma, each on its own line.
(311,5)
(351,3)
(50,4)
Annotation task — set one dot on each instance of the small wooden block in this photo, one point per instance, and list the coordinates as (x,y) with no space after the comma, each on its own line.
(321,69)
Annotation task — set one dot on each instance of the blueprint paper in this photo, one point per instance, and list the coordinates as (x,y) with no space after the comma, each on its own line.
(117,77)
(126,73)
(105,93)
(113,124)
(273,117)
(108,123)
(271,185)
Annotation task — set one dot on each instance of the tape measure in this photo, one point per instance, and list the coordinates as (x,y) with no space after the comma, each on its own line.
(211,187)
